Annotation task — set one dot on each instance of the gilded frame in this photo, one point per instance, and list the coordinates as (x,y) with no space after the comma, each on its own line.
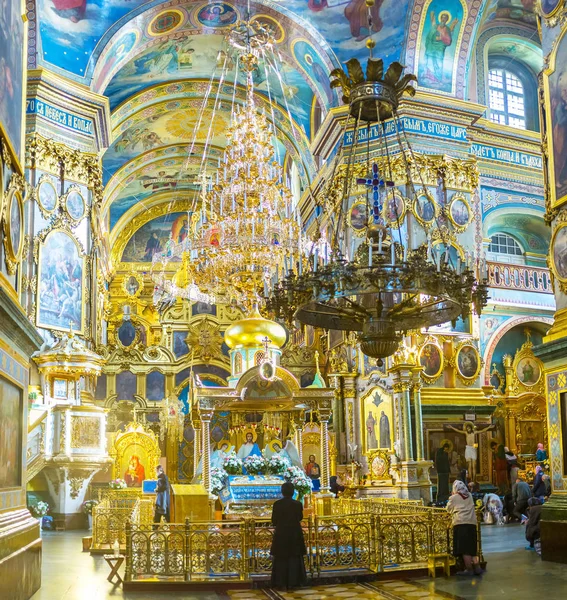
(395,224)
(45,180)
(13,255)
(358,232)
(426,193)
(455,198)
(75,189)
(553,12)
(389,398)
(431,341)
(546,74)
(379,473)
(140,280)
(83,260)
(466,380)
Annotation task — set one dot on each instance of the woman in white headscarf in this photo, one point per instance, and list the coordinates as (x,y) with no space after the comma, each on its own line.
(462,510)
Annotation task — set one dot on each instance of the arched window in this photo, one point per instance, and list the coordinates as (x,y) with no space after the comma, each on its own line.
(506,98)
(502,243)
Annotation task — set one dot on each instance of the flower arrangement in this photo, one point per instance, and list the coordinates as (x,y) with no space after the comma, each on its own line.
(232,464)
(117,484)
(88,506)
(255,464)
(218,480)
(300,481)
(40,509)
(277,464)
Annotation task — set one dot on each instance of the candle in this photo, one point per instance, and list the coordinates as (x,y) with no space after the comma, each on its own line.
(393,249)
(370,250)
(315,260)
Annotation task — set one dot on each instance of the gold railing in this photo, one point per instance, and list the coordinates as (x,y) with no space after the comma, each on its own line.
(240,550)
(377,506)
(111,516)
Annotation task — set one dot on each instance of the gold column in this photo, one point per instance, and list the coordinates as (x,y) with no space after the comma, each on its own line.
(416,388)
(205,437)
(324,415)
(197,447)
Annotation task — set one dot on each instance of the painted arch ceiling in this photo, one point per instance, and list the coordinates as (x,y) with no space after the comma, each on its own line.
(156,60)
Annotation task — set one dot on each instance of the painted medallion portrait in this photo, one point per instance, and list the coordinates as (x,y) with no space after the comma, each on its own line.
(217,14)
(75,205)
(47,195)
(559,255)
(16,214)
(60,290)
(548,7)
(424,208)
(528,371)
(394,209)
(431,359)
(358,217)
(468,361)
(460,212)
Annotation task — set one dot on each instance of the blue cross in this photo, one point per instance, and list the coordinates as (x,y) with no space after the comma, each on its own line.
(374,182)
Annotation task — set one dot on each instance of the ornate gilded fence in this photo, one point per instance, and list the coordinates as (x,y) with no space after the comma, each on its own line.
(240,550)
(111,516)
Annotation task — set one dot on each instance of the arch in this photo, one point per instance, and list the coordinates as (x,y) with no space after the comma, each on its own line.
(500,333)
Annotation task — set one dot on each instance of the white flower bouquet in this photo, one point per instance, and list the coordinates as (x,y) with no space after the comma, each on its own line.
(117,484)
(277,464)
(255,464)
(218,480)
(40,509)
(232,464)
(299,480)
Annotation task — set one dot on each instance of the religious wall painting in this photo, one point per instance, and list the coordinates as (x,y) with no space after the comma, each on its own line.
(165,22)
(431,359)
(134,469)
(155,386)
(60,299)
(75,204)
(11,416)
(133,284)
(117,52)
(47,194)
(314,67)
(528,371)
(424,207)
(394,208)
(12,52)
(153,237)
(437,438)
(126,385)
(467,362)
(459,211)
(378,420)
(559,252)
(529,434)
(440,39)
(13,229)
(550,7)
(459,327)
(555,83)
(358,218)
(217,14)
(271,25)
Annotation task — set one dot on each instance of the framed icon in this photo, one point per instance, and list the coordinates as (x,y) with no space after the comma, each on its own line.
(424,208)
(460,212)
(13,229)
(394,209)
(431,359)
(467,362)
(358,218)
(47,196)
(75,204)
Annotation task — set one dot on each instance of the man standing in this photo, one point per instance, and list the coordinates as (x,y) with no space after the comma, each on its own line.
(521,493)
(162,497)
(443,469)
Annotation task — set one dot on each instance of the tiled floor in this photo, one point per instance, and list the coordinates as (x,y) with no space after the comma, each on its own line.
(513,573)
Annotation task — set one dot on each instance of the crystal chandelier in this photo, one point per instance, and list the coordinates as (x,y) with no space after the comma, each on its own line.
(244,233)
(397,280)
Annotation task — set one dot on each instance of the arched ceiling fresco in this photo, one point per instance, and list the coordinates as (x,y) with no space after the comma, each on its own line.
(162,63)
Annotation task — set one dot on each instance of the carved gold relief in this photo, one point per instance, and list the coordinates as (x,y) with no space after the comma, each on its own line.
(85,432)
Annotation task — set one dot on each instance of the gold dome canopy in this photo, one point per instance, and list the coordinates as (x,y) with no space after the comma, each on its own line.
(251,332)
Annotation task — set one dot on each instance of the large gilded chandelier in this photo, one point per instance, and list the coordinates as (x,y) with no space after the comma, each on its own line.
(397,280)
(244,234)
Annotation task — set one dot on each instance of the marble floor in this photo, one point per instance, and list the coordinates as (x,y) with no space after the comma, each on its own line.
(512,572)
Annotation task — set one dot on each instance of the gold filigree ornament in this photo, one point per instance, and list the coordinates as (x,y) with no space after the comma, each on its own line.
(430,355)
(204,339)
(13,229)
(467,362)
(558,251)
(379,464)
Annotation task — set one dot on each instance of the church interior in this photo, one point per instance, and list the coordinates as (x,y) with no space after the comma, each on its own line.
(317,242)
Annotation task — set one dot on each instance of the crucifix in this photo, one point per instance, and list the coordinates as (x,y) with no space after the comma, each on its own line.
(266,341)
(374,182)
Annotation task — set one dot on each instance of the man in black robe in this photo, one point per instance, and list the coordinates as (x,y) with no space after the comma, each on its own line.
(288,545)
(163,501)
(443,470)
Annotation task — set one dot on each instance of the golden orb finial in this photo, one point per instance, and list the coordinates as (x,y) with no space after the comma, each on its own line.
(370,3)
(252,332)
(370,44)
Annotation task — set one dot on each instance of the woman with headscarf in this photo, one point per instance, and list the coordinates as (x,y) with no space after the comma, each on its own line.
(538,489)
(513,468)
(532,526)
(501,468)
(541,453)
(461,508)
